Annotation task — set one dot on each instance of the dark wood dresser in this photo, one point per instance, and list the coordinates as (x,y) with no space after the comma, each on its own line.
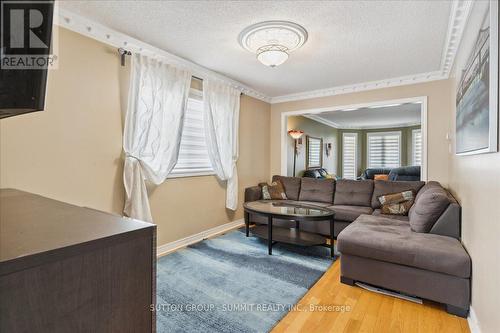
(65,268)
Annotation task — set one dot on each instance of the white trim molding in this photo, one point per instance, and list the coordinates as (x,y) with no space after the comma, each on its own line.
(459,15)
(422,100)
(473,322)
(333,124)
(322,120)
(175,245)
(104,34)
(352,88)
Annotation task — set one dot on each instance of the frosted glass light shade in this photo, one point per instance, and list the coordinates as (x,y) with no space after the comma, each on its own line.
(272,58)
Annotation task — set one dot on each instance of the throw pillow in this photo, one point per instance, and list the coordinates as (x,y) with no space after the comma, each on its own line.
(428,208)
(291,186)
(396,203)
(274,191)
(381,177)
(383,187)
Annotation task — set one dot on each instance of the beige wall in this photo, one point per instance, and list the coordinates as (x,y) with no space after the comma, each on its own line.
(438,108)
(315,129)
(475,181)
(73,151)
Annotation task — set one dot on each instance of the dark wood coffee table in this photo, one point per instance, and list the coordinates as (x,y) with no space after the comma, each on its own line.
(292,212)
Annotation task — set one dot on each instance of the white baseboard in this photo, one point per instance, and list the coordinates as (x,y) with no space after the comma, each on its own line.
(473,322)
(175,245)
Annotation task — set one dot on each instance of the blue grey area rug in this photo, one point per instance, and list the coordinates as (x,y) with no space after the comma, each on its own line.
(231,284)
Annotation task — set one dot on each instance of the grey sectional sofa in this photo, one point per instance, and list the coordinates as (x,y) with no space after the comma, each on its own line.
(384,250)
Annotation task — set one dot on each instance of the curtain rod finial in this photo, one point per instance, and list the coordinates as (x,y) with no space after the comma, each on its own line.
(123,53)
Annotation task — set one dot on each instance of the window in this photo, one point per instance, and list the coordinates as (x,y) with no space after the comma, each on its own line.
(384,149)
(193,154)
(416,147)
(314,152)
(349,155)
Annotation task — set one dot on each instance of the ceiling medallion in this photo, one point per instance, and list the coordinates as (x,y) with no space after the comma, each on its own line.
(272,41)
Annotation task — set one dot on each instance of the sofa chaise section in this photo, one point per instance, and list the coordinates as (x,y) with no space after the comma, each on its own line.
(387,253)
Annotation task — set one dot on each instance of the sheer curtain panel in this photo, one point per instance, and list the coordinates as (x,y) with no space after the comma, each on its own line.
(221,117)
(158,95)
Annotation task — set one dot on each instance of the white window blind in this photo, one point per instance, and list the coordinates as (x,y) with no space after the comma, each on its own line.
(193,154)
(314,151)
(384,149)
(349,155)
(416,146)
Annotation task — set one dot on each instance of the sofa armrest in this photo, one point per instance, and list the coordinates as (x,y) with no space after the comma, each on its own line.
(253,193)
(449,224)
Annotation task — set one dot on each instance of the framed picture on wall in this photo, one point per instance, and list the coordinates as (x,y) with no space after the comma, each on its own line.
(477,91)
(314,152)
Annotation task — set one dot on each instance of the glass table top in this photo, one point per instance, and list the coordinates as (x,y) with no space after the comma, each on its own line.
(280,207)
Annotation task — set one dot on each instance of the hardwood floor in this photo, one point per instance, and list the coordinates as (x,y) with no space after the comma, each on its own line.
(369,312)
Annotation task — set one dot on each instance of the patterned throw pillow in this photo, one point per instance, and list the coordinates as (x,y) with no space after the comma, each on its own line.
(275,191)
(397,203)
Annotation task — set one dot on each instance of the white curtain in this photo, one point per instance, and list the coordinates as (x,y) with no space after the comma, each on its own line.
(157,102)
(221,118)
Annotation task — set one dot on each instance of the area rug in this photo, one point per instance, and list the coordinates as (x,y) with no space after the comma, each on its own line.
(230,284)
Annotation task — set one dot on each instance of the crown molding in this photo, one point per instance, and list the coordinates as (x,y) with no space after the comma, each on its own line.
(104,34)
(322,120)
(339,90)
(330,123)
(409,124)
(459,14)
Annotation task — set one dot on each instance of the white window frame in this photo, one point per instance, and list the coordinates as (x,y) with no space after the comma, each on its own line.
(413,136)
(369,134)
(195,100)
(355,135)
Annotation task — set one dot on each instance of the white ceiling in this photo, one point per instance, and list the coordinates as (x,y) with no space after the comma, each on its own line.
(381,117)
(349,41)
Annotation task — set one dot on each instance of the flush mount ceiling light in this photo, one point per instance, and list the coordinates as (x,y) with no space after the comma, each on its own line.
(272,41)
